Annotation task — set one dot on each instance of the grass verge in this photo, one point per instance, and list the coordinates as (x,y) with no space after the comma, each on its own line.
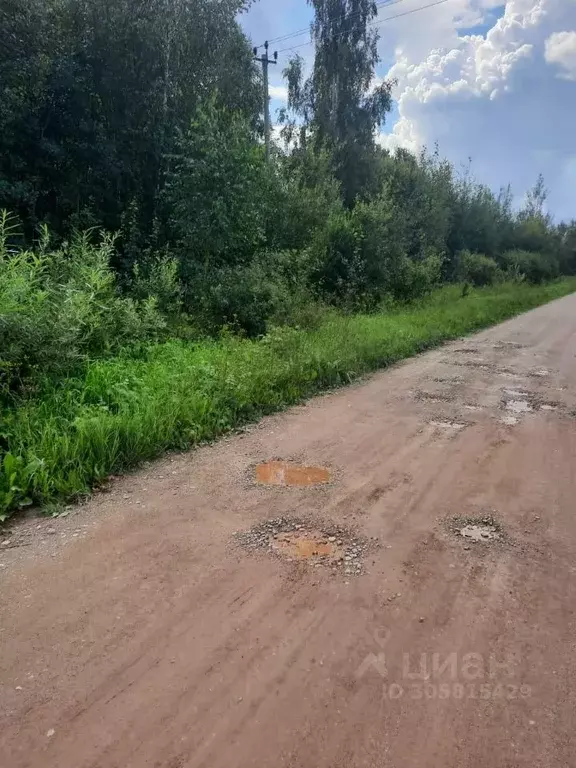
(70,436)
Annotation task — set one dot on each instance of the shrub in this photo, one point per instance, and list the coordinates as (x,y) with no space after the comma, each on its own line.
(271,291)
(416,279)
(529,265)
(158,278)
(477,269)
(287,276)
(361,258)
(60,306)
(213,197)
(337,268)
(382,251)
(301,196)
(233,297)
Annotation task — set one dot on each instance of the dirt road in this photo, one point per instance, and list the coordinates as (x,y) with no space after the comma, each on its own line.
(141,631)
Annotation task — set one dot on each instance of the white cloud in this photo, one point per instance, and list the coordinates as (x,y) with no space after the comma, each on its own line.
(490,97)
(561,50)
(483,83)
(279,92)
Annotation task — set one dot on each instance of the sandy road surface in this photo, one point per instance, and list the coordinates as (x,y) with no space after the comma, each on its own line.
(135,633)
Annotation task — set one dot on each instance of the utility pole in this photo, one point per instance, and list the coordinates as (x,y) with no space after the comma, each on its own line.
(264,60)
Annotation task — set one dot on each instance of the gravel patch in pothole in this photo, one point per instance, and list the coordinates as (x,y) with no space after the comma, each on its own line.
(447,426)
(448,379)
(518,402)
(507,345)
(434,397)
(309,541)
(476,530)
(480,364)
(479,532)
(518,406)
(516,393)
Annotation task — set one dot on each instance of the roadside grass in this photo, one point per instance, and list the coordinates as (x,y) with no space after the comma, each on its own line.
(70,436)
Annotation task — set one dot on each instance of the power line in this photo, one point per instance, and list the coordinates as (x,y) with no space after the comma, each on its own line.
(376,23)
(304,30)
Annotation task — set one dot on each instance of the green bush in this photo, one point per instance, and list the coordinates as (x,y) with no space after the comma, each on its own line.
(383,260)
(215,197)
(477,269)
(337,268)
(366,251)
(415,279)
(301,196)
(230,297)
(273,290)
(529,265)
(157,278)
(360,259)
(58,307)
(287,275)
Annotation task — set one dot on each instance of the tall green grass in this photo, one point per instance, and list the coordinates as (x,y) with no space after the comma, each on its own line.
(70,436)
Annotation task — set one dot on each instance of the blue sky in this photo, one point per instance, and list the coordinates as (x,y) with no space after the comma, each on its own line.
(490,81)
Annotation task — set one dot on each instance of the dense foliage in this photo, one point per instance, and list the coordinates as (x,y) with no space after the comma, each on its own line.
(143,120)
(138,208)
(94,93)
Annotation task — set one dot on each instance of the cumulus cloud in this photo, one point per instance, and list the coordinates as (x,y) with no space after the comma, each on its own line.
(491,80)
(279,92)
(561,50)
(491,96)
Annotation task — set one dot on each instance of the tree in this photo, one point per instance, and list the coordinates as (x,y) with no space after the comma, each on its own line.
(534,231)
(535,200)
(25,36)
(419,188)
(95,93)
(214,199)
(339,104)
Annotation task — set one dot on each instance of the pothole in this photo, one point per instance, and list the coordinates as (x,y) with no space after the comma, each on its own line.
(304,546)
(479,532)
(541,373)
(526,402)
(284,473)
(509,421)
(516,393)
(476,530)
(480,364)
(518,406)
(507,345)
(434,397)
(449,426)
(294,540)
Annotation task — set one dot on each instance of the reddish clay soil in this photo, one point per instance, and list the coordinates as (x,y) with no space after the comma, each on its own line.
(150,627)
